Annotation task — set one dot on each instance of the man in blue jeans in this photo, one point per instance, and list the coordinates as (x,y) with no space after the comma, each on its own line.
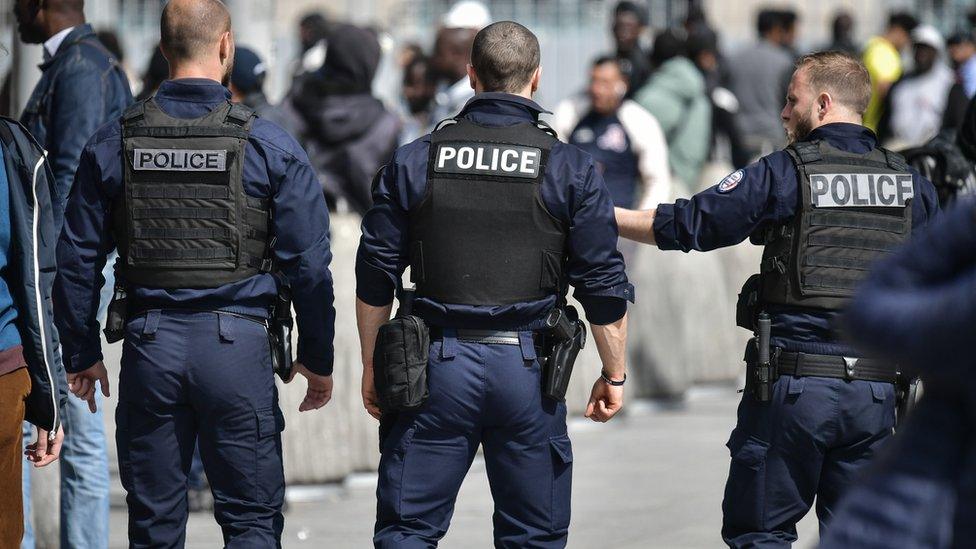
(81,87)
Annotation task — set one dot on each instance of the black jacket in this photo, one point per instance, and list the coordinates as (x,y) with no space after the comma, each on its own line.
(32,268)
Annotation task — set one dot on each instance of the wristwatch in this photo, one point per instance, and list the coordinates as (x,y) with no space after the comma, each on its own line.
(610,381)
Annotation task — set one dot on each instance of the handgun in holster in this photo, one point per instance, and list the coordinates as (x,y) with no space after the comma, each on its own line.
(117,315)
(568,336)
(764,372)
(279,333)
(908,390)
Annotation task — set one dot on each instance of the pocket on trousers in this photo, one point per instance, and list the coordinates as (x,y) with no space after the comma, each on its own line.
(389,490)
(269,479)
(745,494)
(122,436)
(562,481)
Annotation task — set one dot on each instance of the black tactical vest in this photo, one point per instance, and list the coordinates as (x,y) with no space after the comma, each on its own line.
(854,209)
(481,235)
(185,220)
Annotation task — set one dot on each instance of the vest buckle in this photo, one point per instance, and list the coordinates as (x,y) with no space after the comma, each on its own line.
(849,368)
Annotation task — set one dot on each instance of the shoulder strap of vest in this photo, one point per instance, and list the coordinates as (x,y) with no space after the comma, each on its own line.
(542,125)
(805,152)
(895,161)
(444,123)
(134,112)
(240,115)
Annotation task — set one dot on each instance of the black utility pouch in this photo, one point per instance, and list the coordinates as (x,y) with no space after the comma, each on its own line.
(400,364)
(747,308)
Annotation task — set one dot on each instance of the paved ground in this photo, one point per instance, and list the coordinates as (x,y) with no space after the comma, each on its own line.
(651,479)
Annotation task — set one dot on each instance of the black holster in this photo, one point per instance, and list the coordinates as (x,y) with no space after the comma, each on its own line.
(568,335)
(279,334)
(400,361)
(117,315)
(908,390)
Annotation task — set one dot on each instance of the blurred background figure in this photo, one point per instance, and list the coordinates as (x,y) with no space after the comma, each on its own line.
(915,103)
(962,56)
(842,34)
(156,72)
(111,41)
(452,51)
(759,75)
(349,133)
(313,37)
(625,141)
(630,22)
(247,87)
(882,57)
(675,95)
(418,89)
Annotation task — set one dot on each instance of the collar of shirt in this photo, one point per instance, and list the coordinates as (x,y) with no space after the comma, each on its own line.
(193,90)
(53,43)
(853,138)
(501,109)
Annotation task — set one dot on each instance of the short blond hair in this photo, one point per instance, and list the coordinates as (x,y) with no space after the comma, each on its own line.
(841,75)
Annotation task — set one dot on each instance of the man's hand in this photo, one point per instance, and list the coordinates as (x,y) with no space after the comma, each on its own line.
(370,399)
(319,391)
(82,384)
(42,451)
(605,401)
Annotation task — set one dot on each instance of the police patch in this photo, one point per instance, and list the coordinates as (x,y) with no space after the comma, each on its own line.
(488,159)
(179,160)
(730,182)
(842,190)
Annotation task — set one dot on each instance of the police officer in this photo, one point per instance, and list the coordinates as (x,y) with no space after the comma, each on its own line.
(206,204)
(920,308)
(492,213)
(825,208)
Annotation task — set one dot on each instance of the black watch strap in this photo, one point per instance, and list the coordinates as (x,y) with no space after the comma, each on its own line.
(609,381)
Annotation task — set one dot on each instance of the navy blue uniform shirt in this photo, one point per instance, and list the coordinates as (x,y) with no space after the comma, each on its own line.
(768,194)
(572,190)
(275,166)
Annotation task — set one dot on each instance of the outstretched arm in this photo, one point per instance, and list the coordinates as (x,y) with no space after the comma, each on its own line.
(611,342)
(636,225)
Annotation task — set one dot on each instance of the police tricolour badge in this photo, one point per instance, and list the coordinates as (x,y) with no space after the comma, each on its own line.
(730,182)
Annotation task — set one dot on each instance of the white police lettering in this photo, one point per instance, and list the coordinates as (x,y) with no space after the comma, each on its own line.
(860,190)
(488,159)
(181,160)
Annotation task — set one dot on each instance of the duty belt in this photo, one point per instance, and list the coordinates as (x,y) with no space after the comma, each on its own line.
(864,369)
(490,337)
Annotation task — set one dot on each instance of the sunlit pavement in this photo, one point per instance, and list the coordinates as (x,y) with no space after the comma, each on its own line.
(653,478)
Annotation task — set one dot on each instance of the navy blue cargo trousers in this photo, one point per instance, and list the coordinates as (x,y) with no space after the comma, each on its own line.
(484,395)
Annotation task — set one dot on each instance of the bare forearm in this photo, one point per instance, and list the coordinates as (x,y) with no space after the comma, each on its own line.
(636,224)
(368,320)
(611,343)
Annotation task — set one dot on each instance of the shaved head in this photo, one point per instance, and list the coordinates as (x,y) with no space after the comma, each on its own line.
(192,29)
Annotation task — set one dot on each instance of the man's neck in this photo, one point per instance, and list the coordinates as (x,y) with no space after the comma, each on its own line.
(58,24)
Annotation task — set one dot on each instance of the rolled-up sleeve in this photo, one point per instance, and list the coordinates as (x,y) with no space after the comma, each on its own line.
(380,260)
(83,246)
(301,226)
(595,267)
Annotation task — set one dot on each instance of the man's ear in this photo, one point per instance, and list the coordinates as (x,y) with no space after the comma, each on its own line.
(226,47)
(536,78)
(824,104)
(472,78)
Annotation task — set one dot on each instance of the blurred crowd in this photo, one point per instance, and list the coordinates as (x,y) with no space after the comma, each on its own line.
(658,106)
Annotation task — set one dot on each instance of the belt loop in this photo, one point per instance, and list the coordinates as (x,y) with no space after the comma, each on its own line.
(152,323)
(527,345)
(225,328)
(448,343)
